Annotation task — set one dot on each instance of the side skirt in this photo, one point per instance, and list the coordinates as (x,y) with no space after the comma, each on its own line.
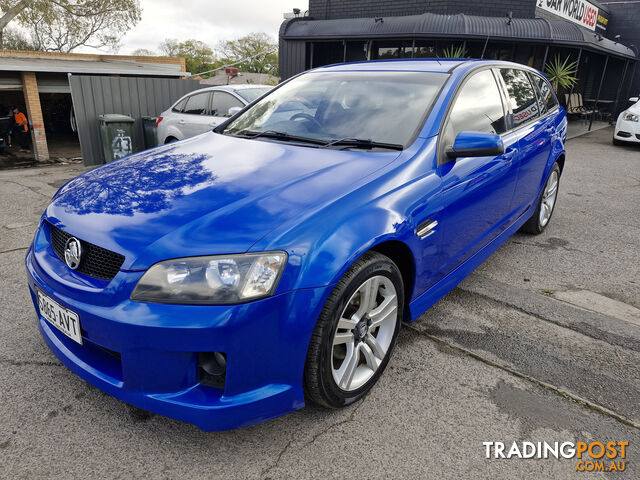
(429,298)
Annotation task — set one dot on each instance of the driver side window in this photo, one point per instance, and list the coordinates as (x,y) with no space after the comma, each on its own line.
(478,107)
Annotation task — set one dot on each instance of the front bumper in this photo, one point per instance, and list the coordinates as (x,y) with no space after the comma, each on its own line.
(147,354)
(627,131)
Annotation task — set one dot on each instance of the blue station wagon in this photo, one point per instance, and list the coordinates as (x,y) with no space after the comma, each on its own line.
(227,279)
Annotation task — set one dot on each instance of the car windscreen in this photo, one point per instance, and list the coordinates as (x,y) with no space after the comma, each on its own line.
(378,106)
(250,94)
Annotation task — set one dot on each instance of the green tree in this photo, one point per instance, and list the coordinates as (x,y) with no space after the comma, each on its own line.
(257,52)
(15,40)
(198,56)
(143,52)
(64,25)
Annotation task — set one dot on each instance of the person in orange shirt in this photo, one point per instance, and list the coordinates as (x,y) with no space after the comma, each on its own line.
(21,129)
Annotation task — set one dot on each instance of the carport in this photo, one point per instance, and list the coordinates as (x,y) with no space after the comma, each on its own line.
(38,84)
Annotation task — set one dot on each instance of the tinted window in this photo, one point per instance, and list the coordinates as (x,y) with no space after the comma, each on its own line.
(478,107)
(384,106)
(521,96)
(197,104)
(250,94)
(547,98)
(222,102)
(180,105)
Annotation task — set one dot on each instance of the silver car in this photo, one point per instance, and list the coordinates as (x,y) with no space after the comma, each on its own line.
(201,110)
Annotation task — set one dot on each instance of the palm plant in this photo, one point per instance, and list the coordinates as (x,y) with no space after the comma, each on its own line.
(454,52)
(561,72)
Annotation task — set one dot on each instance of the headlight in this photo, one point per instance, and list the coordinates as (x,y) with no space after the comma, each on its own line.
(630,117)
(212,280)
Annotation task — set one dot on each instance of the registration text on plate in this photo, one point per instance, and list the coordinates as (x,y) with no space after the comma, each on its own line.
(62,318)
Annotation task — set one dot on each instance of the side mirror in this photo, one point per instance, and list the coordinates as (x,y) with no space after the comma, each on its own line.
(634,99)
(233,110)
(475,144)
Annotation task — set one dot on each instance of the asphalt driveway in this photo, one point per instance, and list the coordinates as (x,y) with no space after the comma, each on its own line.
(542,343)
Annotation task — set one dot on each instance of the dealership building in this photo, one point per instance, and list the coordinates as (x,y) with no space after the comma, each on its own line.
(602,37)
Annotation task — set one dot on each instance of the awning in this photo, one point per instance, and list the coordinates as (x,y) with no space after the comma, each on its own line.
(454,26)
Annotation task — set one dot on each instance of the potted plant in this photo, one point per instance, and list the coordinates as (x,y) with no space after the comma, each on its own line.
(561,73)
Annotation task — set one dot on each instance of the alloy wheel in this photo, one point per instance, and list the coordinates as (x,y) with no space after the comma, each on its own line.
(549,198)
(364,333)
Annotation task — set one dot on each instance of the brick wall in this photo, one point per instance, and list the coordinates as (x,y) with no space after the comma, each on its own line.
(330,9)
(34,114)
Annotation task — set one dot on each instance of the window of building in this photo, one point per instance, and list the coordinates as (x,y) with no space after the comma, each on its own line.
(392,49)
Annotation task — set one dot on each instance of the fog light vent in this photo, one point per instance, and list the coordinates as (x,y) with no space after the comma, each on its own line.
(212,369)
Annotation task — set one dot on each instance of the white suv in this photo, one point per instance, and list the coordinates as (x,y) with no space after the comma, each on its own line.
(201,110)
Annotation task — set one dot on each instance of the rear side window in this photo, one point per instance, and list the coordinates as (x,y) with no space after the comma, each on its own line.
(180,105)
(478,107)
(545,93)
(197,104)
(222,102)
(521,96)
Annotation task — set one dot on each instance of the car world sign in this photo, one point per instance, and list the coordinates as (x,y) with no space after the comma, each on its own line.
(577,11)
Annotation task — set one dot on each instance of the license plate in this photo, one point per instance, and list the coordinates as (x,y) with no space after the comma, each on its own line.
(62,318)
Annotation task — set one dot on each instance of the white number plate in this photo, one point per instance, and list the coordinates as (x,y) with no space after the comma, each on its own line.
(62,318)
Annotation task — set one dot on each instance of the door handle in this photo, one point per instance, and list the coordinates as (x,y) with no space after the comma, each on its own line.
(509,154)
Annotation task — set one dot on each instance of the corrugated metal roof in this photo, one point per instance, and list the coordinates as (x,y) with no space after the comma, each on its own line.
(107,67)
(464,26)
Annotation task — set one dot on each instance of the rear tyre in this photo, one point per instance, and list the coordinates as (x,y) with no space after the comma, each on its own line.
(546,203)
(170,140)
(356,332)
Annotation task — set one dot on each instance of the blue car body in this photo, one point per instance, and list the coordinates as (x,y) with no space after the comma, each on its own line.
(219,194)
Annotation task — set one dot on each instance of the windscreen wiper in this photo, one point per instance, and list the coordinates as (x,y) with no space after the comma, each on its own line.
(278,136)
(362,143)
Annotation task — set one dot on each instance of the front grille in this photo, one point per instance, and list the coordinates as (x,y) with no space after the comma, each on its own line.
(96,261)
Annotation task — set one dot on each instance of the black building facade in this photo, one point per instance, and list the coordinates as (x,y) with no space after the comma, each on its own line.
(602,37)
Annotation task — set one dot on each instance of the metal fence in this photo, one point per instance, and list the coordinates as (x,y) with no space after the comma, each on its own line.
(135,96)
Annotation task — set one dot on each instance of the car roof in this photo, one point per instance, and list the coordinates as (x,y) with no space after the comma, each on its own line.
(435,65)
(231,88)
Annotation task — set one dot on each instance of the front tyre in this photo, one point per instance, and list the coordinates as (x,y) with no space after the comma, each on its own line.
(546,203)
(355,334)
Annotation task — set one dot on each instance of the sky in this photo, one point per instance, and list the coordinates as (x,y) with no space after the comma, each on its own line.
(207,20)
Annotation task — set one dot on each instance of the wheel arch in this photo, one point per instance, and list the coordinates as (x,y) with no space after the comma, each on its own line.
(400,253)
(560,161)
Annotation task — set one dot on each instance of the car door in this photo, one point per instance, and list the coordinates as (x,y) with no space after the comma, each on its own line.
(477,192)
(220,105)
(196,117)
(173,121)
(535,130)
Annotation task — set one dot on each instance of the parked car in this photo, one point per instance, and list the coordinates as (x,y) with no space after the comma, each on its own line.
(628,125)
(229,278)
(204,109)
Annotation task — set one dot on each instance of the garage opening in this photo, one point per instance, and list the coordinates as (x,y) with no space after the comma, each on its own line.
(57,117)
(57,114)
